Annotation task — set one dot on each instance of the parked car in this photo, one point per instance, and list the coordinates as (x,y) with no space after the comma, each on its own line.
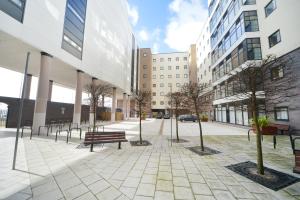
(191,118)
(159,116)
(166,116)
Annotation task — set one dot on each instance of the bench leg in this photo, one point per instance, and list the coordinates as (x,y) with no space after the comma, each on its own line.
(68,136)
(56,136)
(92,145)
(119,147)
(274,141)
(39,131)
(31,133)
(80,133)
(47,131)
(249,134)
(22,132)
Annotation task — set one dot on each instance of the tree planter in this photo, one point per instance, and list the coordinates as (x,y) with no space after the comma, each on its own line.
(204,120)
(267,130)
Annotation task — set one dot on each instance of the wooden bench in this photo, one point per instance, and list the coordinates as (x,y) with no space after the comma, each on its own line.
(282,128)
(272,132)
(92,138)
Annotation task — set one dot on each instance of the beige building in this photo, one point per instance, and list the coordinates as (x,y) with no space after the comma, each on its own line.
(193,63)
(145,70)
(169,72)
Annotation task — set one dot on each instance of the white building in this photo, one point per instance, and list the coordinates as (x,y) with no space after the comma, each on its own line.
(245,30)
(169,72)
(70,42)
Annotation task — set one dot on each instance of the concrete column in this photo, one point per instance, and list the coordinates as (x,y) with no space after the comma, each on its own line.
(39,116)
(78,98)
(124,106)
(128,107)
(114,105)
(28,86)
(92,112)
(50,90)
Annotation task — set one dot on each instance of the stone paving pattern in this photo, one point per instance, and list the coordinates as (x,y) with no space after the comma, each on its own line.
(49,170)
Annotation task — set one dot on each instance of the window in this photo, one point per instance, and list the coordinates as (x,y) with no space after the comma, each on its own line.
(169,67)
(177,84)
(162,103)
(153,60)
(177,67)
(281,113)
(145,75)
(276,72)
(161,85)
(145,66)
(169,59)
(177,75)
(185,76)
(73,31)
(14,8)
(251,21)
(169,84)
(161,68)
(154,68)
(249,2)
(270,7)
(185,67)
(177,58)
(154,85)
(185,58)
(154,76)
(154,94)
(274,39)
(162,94)
(162,77)
(161,59)
(169,76)
(145,54)
(153,102)
(253,49)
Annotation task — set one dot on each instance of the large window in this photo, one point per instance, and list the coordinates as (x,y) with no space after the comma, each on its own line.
(251,22)
(277,72)
(270,7)
(73,33)
(281,113)
(274,39)
(14,8)
(253,49)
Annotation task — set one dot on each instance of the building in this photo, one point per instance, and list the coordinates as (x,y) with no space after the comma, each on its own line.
(169,72)
(204,72)
(70,43)
(193,64)
(242,31)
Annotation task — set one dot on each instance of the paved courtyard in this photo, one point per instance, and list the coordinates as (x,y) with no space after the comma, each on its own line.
(49,170)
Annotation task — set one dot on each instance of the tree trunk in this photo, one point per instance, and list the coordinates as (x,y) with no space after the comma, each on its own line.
(95,111)
(140,114)
(176,113)
(200,126)
(260,163)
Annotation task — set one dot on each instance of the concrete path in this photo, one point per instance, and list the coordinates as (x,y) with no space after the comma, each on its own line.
(56,170)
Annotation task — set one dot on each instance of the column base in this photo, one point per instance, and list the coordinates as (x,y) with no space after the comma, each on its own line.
(38,120)
(77,118)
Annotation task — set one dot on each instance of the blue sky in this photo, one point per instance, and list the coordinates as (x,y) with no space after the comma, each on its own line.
(167,25)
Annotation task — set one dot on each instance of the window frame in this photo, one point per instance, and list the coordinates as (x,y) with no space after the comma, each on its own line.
(278,78)
(282,107)
(275,3)
(277,31)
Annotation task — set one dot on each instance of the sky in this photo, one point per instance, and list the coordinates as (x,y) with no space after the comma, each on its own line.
(167,25)
(162,25)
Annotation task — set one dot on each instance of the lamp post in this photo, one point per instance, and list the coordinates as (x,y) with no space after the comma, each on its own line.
(20,111)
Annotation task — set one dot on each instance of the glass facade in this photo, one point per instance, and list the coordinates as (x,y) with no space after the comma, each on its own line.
(14,8)
(73,33)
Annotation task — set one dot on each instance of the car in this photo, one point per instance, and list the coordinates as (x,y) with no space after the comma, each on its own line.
(159,116)
(191,118)
(166,116)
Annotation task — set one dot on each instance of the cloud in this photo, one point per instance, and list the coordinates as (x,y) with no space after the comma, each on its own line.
(143,35)
(133,14)
(185,24)
(155,48)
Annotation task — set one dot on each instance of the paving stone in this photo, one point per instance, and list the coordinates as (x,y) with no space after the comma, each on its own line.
(131,182)
(223,195)
(160,195)
(164,185)
(181,181)
(99,186)
(128,191)
(204,197)
(197,178)
(164,175)
(88,180)
(215,184)
(239,192)
(109,194)
(87,196)
(142,198)
(146,178)
(146,190)
(183,193)
(201,188)
(75,192)
(179,172)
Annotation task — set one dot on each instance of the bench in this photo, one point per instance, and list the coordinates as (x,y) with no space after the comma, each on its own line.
(27,125)
(270,130)
(282,128)
(92,138)
(294,137)
(62,130)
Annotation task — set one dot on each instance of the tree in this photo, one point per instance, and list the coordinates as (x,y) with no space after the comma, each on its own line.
(193,91)
(176,99)
(250,81)
(95,91)
(143,100)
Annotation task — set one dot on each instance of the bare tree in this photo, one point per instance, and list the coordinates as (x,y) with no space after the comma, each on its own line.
(193,91)
(143,100)
(176,99)
(95,91)
(250,81)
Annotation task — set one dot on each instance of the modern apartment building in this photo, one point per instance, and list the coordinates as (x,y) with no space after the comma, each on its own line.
(70,42)
(169,72)
(204,72)
(245,30)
